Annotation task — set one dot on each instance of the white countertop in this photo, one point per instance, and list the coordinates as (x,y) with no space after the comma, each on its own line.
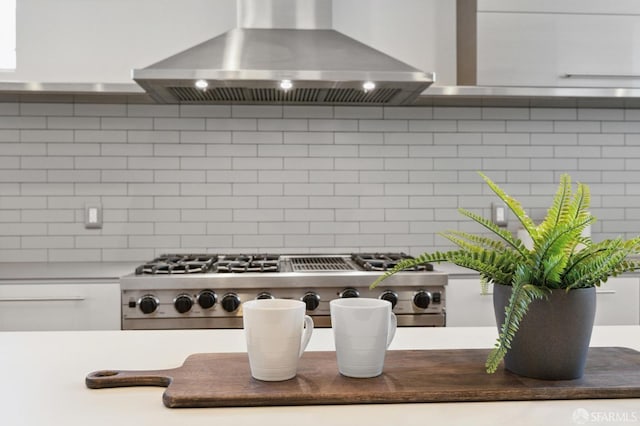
(43,382)
(26,271)
(30,271)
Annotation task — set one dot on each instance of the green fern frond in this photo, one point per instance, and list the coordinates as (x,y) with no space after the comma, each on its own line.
(478,240)
(559,205)
(513,204)
(505,235)
(522,295)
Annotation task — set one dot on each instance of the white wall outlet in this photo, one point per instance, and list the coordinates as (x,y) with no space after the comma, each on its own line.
(93,216)
(499,214)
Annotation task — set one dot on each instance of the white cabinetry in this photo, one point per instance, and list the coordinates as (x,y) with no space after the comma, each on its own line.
(618,303)
(467,306)
(50,305)
(539,43)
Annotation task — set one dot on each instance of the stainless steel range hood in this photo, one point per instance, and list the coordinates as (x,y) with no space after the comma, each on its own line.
(249,64)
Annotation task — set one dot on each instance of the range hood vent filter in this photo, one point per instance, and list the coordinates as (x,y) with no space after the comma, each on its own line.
(341,96)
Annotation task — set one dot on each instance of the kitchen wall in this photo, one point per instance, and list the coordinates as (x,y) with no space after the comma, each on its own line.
(293,178)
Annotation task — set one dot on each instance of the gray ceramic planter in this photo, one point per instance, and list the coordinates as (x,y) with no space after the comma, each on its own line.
(553,338)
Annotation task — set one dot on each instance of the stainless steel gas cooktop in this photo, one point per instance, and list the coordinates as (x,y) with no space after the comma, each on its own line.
(176,291)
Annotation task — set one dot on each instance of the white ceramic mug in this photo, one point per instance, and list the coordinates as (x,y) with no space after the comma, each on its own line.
(277,332)
(363,329)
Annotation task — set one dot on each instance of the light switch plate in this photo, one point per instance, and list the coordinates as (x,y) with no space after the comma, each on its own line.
(499,214)
(93,216)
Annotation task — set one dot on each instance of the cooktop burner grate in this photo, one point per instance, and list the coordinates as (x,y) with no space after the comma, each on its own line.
(385,261)
(178,264)
(248,263)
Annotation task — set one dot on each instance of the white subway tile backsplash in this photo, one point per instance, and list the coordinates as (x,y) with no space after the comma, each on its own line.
(333,150)
(383,125)
(489,113)
(284,176)
(51,109)
(602,114)
(69,176)
(229,176)
(205,111)
(9,108)
(179,150)
(257,215)
(358,112)
(103,110)
(139,162)
(291,163)
(421,139)
(522,126)
(302,111)
(46,136)
(481,126)
(23,149)
(162,136)
(408,113)
(621,127)
(257,137)
(554,114)
(134,110)
(309,138)
(103,163)
(293,178)
(433,125)
(176,124)
(283,150)
(11,175)
(328,125)
(114,136)
(457,113)
(229,124)
(127,123)
(22,122)
(270,125)
(257,111)
(73,122)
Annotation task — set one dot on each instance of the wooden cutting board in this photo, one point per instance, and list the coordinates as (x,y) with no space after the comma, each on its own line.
(224,379)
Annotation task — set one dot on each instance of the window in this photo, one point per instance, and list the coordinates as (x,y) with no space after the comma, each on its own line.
(7,35)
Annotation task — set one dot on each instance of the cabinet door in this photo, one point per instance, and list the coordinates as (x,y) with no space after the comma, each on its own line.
(618,302)
(83,306)
(467,306)
(540,49)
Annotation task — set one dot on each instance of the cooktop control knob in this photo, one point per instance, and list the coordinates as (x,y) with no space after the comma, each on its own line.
(422,299)
(391,296)
(264,295)
(349,292)
(312,300)
(206,299)
(183,303)
(230,302)
(148,304)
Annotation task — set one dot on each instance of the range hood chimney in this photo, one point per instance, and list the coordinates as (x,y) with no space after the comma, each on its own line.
(283,52)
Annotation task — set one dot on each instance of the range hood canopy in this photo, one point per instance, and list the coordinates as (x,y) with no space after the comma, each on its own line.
(256,65)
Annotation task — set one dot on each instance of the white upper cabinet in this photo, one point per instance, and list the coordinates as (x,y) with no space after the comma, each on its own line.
(567,43)
(421,33)
(96,41)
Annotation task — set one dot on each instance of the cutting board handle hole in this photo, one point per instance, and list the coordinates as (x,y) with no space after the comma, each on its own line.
(105,373)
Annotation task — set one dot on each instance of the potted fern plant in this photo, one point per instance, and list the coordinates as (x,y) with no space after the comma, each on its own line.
(544,296)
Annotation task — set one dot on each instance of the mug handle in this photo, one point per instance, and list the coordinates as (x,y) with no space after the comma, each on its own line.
(393,324)
(306,333)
